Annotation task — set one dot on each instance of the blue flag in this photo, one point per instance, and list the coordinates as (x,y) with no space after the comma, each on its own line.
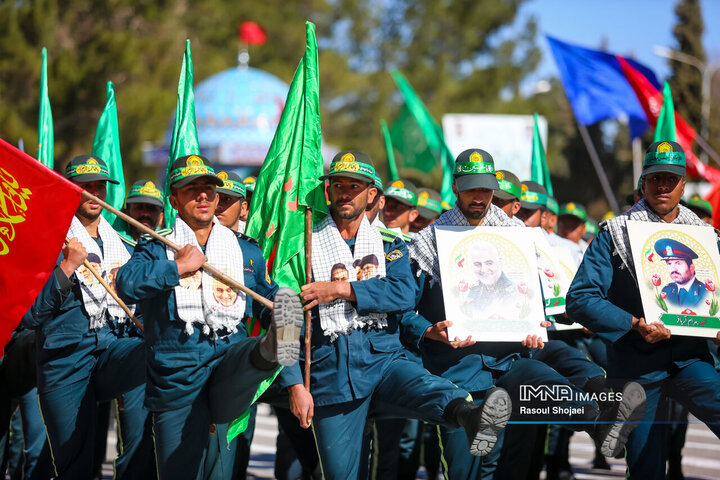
(596,86)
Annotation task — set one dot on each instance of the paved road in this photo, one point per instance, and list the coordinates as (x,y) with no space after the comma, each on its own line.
(700,455)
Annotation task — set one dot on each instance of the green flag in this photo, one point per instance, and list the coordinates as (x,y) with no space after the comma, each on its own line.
(538,169)
(107,147)
(392,166)
(418,139)
(665,128)
(46,137)
(289,181)
(184,139)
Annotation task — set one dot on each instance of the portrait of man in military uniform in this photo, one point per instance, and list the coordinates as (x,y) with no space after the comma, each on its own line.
(685,291)
(492,295)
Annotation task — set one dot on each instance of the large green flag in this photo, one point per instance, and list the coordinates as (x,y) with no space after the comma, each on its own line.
(538,169)
(46,137)
(107,147)
(665,128)
(289,181)
(418,139)
(185,139)
(392,166)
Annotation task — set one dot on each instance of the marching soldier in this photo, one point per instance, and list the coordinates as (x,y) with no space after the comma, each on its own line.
(232,207)
(400,208)
(144,203)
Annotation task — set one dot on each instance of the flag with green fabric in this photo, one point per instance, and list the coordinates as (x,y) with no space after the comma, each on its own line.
(288,182)
(418,140)
(538,168)
(392,166)
(665,128)
(46,136)
(184,138)
(107,147)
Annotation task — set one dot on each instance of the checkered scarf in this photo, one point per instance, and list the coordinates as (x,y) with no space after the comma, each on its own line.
(423,248)
(95,298)
(329,249)
(200,298)
(617,227)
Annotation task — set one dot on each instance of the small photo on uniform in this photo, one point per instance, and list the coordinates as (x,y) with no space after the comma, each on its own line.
(85,275)
(191,281)
(490,283)
(224,294)
(677,271)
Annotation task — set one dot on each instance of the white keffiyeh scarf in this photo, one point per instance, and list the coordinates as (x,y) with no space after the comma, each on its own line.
(617,227)
(331,253)
(106,262)
(201,299)
(423,248)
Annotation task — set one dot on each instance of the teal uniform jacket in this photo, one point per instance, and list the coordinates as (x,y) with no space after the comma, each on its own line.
(179,364)
(65,344)
(690,298)
(604,297)
(470,367)
(350,367)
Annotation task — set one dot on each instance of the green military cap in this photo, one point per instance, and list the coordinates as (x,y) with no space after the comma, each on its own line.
(88,168)
(403,191)
(249,183)
(475,168)
(191,167)
(379,184)
(429,204)
(574,209)
(669,248)
(697,203)
(352,164)
(552,205)
(591,227)
(608,215)
(533,196)
(664,156)
(145,191)
(510,186)
(232,184)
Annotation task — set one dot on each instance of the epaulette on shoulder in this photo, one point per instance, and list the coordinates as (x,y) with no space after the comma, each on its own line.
(407,238)
(128,241)
(163,232)
(242,236)
(387,235)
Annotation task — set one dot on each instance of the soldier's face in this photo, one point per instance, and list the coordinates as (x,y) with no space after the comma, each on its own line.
(88,209)
(663,191)
(530,217)
(228,210)
(195,202)
(145,213)
(510,207)
(474,203)
(397,214)
(680,271)
(349,197)
(486,265)
(419,223)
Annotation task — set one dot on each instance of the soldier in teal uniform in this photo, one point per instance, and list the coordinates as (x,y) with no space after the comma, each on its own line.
(473,364)
(82,358)
(604,297)
(202,367)
(685,291)
(358,364)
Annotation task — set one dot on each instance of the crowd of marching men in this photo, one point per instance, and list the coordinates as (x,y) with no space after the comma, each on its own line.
(143,321)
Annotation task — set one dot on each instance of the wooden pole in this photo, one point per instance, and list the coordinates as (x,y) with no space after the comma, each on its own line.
(205,266)
(604,182)
(112,293)
(308,279)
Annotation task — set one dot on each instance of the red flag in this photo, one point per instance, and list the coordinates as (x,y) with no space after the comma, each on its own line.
(651,101)
(36,207)
(252,33)
(713,196)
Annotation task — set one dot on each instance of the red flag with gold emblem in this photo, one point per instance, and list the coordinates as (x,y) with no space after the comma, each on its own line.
(36,208)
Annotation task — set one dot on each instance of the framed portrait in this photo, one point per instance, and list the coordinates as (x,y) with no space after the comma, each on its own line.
(677,271)
(568,267)
(553,280)
(490,284)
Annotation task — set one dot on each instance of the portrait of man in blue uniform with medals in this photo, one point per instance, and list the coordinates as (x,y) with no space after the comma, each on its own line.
(685,291)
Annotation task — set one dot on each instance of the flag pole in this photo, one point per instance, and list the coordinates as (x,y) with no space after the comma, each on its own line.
(112,293)
(308,279)
(604,182)
(231,282)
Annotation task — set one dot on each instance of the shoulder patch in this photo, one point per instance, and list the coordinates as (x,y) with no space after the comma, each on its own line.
(242,236)
(163,232)
(248,269)
(394,255)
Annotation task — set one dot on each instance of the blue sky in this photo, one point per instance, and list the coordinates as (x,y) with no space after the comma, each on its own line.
(630,28)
